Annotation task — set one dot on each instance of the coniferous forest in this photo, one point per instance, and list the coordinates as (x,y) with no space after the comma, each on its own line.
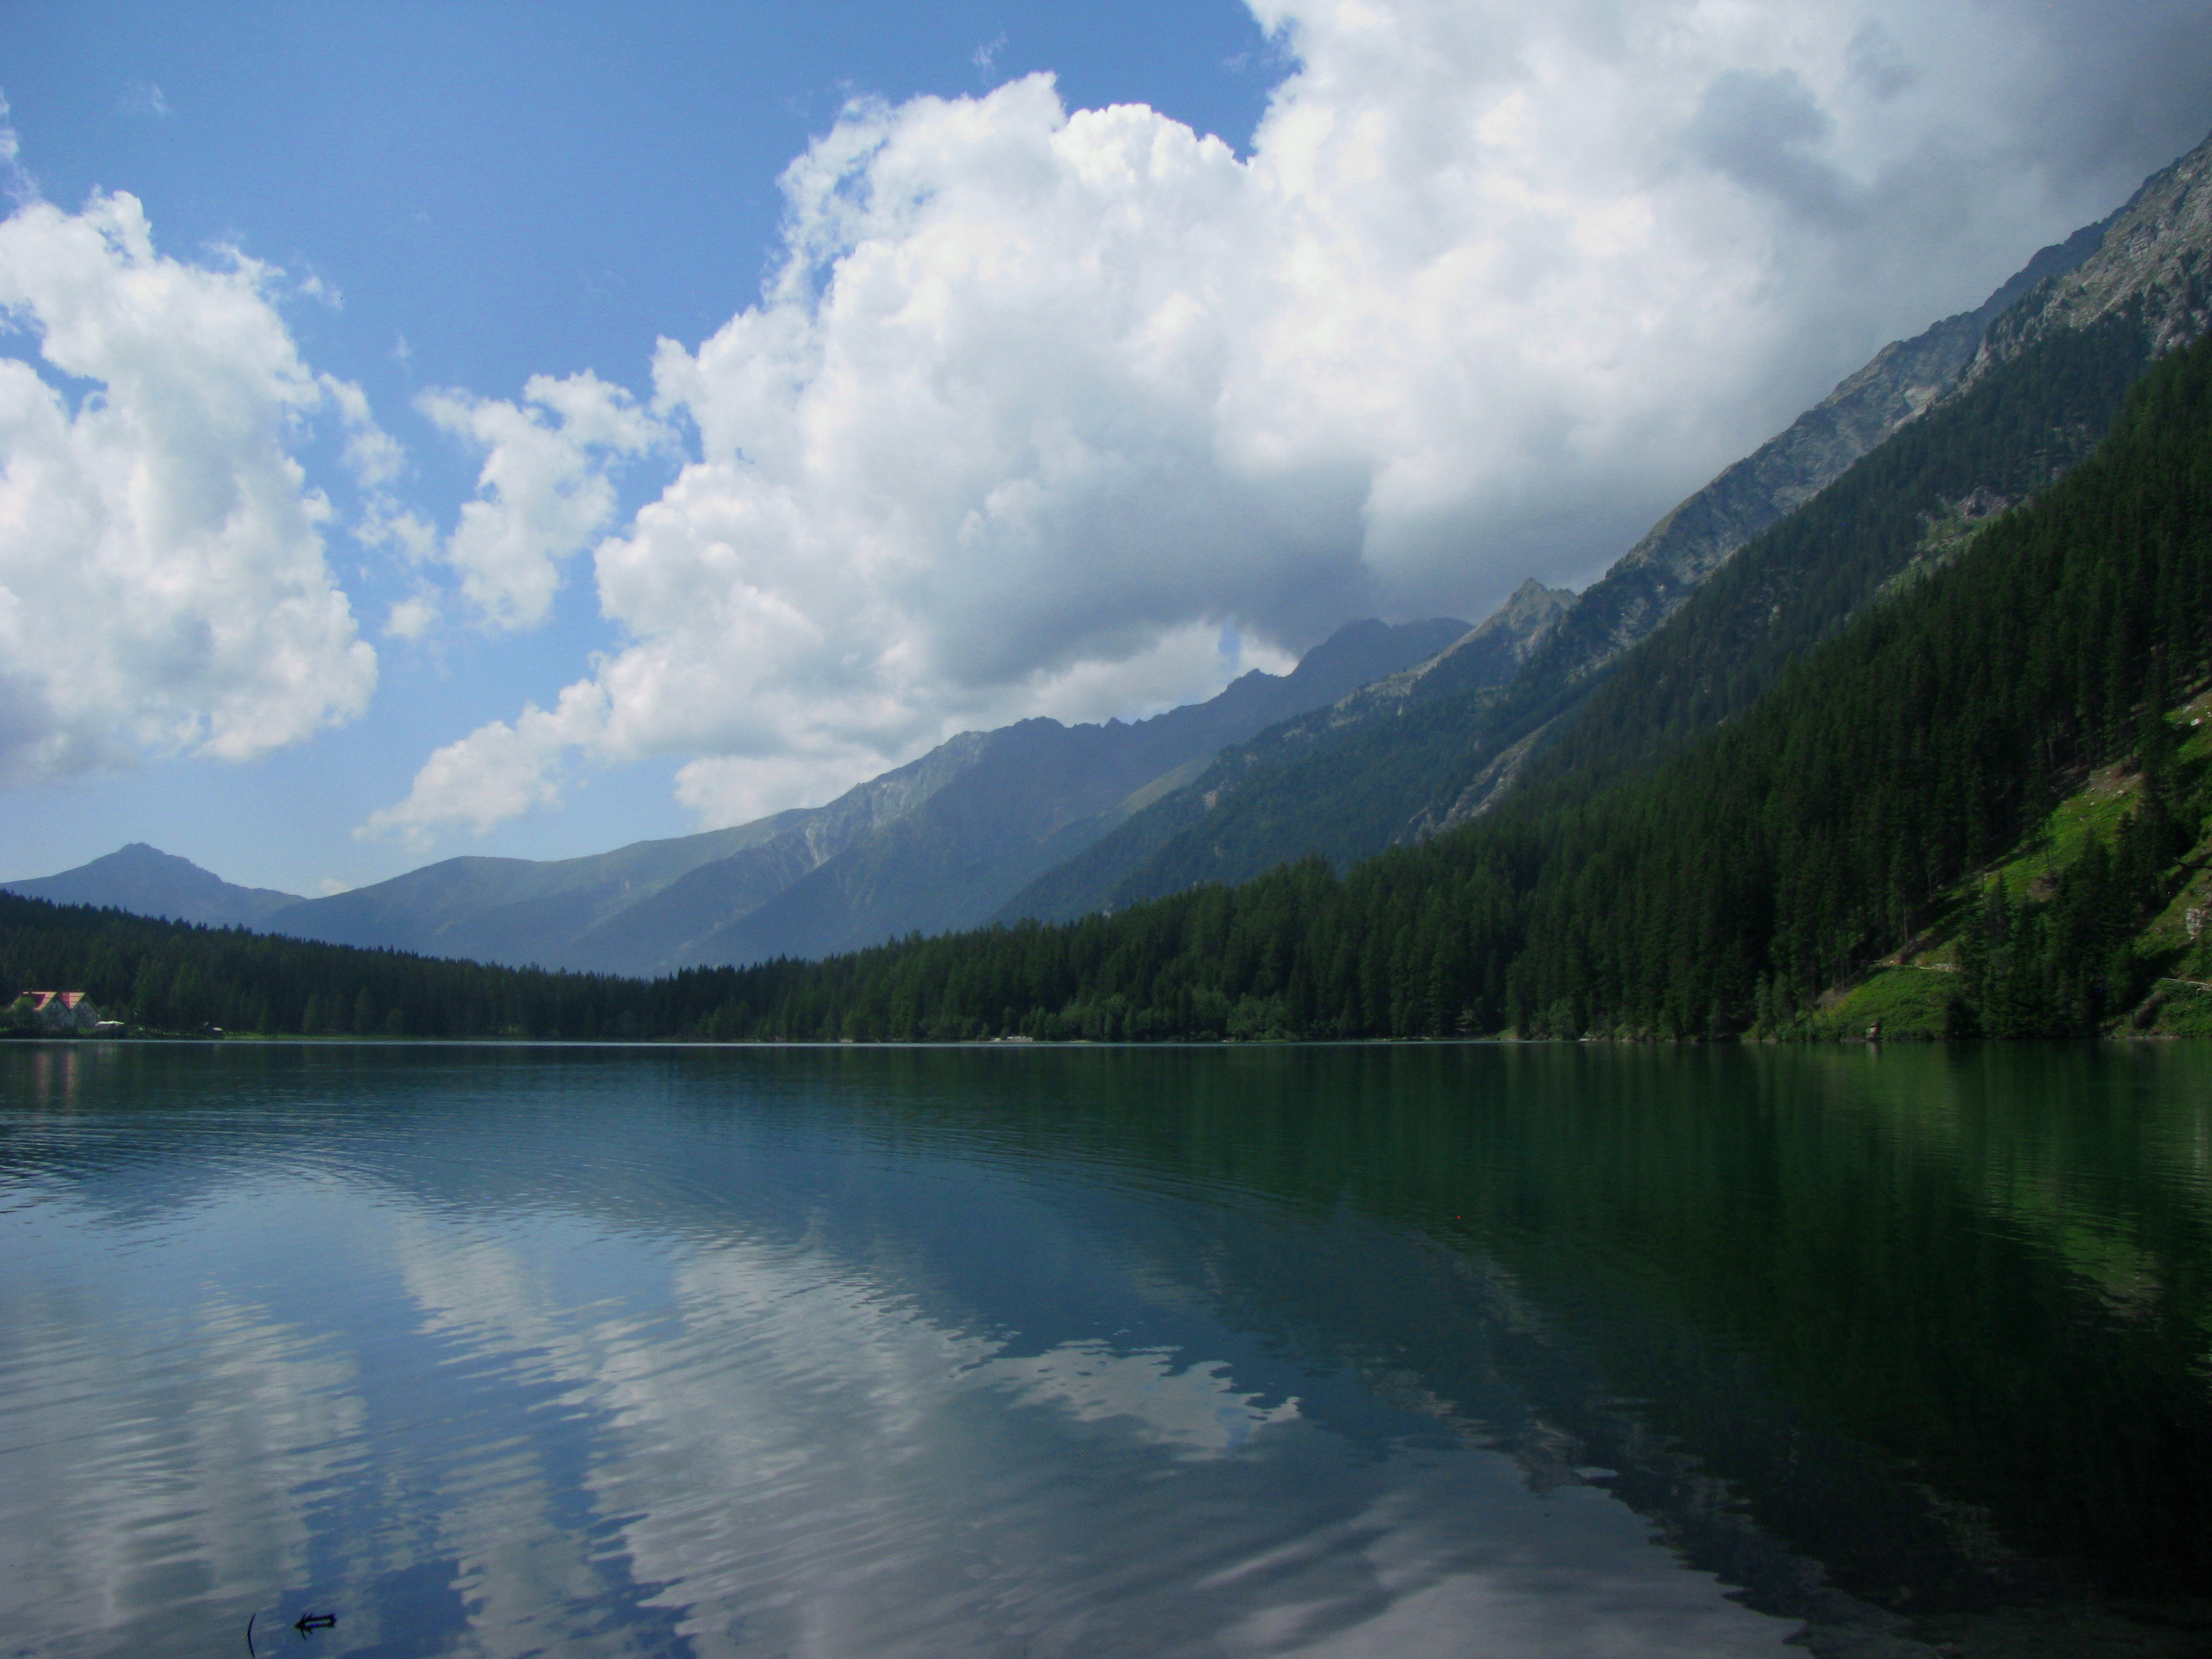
(2001,440)
(1839,814)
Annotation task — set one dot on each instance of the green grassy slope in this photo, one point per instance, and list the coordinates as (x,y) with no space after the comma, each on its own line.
(2100,918)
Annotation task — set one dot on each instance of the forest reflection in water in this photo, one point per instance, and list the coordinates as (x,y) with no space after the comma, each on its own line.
(1541,1350)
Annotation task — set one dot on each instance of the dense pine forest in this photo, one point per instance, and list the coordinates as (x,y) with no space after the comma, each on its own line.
(170,976)
(1820,825)
(1904,508)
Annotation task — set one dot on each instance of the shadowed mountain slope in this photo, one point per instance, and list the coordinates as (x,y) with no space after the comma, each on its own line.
(2041,368)
(940,842)
(2005,762)
(512,910)
(964,855)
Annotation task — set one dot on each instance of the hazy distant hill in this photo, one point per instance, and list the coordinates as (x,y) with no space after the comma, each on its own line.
(1034,793)
(512,910)
(940,842)
(148,882)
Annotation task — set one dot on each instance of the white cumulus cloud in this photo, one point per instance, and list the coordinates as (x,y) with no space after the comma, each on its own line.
(545,491)
(498,771)
(1038,396)
(163,588)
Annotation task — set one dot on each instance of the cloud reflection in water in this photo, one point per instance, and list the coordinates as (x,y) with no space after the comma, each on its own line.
(507,1427)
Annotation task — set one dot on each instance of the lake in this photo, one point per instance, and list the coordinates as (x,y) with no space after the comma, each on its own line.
(1399,1350)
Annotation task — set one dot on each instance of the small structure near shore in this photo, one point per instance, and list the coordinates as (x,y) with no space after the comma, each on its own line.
(53,1011)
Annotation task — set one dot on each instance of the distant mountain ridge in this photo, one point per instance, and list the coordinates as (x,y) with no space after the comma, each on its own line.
(938,843)
(148,882)
(1037,792)
(515,910)
(1399,764)
(1098,875)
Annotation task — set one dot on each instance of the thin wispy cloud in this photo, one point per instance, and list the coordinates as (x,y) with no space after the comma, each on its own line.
(22,189)
(144,98)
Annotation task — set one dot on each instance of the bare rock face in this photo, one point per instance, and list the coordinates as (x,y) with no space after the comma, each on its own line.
(2153,259)
(2153,254)
(1490,653)
(1652,579)
(1782,474)
(1444,746)
(1481,794)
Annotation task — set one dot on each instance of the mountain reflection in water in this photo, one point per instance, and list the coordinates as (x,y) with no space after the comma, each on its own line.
(1482,1350)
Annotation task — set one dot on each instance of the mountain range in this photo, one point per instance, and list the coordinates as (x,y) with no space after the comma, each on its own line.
(1990,406)
(937,844)
(1382,737)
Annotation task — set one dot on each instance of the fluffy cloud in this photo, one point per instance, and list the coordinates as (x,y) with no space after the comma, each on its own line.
(545,491)
(162,584)
(497,772)
(1035,392)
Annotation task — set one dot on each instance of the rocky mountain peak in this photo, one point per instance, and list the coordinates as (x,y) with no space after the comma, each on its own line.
(2154,253)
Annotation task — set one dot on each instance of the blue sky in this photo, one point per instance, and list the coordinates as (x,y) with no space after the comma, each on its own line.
(1039,411)
(496,191)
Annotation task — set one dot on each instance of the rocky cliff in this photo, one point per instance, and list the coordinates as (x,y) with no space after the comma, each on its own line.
(2152,258)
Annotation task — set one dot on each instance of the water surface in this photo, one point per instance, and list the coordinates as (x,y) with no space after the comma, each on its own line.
(1452,1351)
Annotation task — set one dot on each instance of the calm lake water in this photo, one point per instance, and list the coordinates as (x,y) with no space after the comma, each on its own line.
(1398,1352)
